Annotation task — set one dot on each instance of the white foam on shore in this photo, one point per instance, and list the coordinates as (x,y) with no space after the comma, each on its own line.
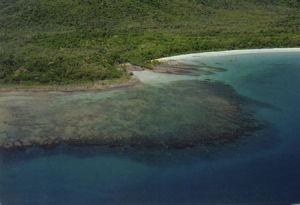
(228,53)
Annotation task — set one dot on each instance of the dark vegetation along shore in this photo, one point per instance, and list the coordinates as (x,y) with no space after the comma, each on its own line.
(61,42)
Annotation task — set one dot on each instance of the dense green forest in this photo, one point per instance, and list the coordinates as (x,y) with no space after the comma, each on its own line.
(74,41)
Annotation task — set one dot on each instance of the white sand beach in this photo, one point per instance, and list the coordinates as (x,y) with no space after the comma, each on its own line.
(228,52)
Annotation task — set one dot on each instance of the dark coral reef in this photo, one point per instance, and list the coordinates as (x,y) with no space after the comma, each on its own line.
(179,114)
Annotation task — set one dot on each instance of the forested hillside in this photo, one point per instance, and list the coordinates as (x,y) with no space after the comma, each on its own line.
(72,41)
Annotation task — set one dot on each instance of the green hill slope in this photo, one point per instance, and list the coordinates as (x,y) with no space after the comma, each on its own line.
(71,41)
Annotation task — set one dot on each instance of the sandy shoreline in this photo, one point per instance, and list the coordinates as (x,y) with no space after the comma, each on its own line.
(228,53)
(170,65)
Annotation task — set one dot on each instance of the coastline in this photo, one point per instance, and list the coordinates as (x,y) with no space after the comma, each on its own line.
(228,53)
(169,65)
(103,85)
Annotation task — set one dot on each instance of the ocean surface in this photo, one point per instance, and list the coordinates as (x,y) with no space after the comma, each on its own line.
(262,168)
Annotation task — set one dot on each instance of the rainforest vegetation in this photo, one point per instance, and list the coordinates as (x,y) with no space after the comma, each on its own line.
(73,41)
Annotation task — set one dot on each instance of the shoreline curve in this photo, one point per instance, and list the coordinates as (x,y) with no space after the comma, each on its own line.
(229,53)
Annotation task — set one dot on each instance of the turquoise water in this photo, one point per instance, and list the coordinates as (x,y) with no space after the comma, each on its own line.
(260,169)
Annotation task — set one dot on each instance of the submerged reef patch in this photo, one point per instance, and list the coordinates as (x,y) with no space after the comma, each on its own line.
(179,114)
(180,68)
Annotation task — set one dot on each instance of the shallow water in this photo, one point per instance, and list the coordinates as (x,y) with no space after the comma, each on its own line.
(258,169)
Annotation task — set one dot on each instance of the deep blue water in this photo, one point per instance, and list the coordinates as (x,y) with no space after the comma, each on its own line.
(263,169)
